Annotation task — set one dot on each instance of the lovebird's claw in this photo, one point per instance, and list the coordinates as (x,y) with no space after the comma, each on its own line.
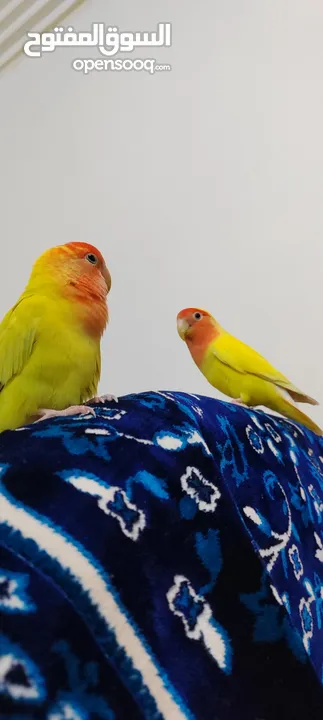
(102,399)
(239,402)
(72,410)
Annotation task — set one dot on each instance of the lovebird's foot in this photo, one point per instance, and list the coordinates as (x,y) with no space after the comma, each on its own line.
(72,410)
(102,399)
(239,402)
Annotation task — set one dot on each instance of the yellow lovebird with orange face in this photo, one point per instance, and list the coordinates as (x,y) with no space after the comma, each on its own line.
(50,361)
(236,370)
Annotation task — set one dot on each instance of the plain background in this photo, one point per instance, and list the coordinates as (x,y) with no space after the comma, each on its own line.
(202,186)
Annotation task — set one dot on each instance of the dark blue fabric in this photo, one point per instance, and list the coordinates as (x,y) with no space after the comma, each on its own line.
(163,559)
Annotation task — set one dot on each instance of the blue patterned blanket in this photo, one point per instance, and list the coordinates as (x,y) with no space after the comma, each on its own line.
(163,559)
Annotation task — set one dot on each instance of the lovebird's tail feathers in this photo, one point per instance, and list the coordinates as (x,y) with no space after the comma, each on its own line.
(284,405)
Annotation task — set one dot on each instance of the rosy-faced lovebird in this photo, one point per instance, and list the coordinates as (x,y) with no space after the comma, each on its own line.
(50,361)
(236,370)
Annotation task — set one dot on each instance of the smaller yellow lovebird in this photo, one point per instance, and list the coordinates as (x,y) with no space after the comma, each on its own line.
(50,360)
(236,370)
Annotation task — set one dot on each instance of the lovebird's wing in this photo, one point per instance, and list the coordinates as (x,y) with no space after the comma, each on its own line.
(18,331)
(242,358)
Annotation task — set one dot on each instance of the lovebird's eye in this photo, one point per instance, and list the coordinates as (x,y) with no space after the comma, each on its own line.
(91,258)
(197,316)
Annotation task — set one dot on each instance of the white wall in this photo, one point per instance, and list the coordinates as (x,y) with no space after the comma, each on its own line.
(202,186)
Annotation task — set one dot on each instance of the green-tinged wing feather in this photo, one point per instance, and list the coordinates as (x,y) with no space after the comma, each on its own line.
(17,338)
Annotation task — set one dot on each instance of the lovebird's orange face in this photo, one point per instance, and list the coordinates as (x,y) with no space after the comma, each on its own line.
(84,263)
(76,269)
(193,323)
(75,272)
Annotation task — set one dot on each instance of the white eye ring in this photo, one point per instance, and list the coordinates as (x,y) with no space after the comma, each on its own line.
(91,258)
(197,316)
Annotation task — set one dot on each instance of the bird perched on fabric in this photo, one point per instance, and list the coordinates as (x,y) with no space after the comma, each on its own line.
(50,360)
(237,370)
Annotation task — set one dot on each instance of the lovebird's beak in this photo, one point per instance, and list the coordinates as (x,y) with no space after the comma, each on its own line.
(107,277)
(182,327)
